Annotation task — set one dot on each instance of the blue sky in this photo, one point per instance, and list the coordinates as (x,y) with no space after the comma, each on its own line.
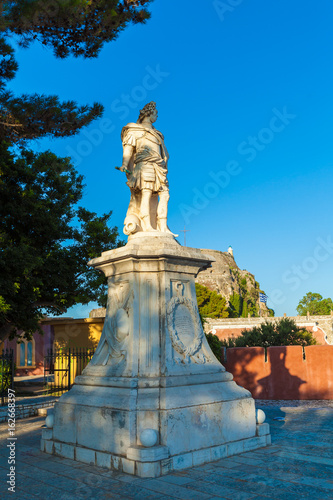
(244,94)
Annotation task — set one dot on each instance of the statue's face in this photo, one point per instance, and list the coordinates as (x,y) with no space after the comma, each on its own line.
(153,116)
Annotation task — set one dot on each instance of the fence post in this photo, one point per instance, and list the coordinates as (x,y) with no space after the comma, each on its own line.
(45,361)
(2,395)
(6,373)
(63,363)
(69,368)
(12,361)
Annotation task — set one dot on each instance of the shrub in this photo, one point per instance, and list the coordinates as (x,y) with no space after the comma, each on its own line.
(210,303)
(281,333)
(5,374)
(215,344)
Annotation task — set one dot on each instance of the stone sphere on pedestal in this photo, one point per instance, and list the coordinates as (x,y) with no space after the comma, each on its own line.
(148,438)
(49,421)
(260,416)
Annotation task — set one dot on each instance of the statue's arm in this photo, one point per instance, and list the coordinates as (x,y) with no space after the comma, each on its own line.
(166,155)
(128,151)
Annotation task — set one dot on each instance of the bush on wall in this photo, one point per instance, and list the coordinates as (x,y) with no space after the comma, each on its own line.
(281,333)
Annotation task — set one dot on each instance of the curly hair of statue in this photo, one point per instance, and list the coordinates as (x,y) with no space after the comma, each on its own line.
(147,110)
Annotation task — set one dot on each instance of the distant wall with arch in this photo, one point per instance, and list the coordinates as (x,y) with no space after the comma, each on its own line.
(290,372)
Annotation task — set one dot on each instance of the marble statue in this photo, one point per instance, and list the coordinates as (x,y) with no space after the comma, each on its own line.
(154,398)
(145,162)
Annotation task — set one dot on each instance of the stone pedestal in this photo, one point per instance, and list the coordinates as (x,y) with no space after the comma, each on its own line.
(153,398)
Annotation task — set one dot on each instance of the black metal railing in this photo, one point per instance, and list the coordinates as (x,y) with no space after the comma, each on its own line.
(61,366)
(6,374)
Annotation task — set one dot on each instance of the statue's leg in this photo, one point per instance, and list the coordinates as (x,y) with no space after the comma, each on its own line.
(153,210)
(132,220)
(162,211)
(132,204)
(146,195)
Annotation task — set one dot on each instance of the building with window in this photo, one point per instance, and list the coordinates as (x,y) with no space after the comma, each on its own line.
(29,354)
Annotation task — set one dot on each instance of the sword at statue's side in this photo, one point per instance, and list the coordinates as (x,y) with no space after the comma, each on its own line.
(123,170)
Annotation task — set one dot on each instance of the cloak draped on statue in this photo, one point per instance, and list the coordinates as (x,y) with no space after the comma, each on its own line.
(147,167)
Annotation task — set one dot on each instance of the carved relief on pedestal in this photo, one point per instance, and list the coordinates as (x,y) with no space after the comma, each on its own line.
(111,348)
(185,328)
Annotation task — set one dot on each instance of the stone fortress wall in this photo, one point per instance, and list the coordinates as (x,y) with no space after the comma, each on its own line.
(226,278)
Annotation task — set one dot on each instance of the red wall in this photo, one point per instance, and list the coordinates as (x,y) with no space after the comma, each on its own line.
(285,374)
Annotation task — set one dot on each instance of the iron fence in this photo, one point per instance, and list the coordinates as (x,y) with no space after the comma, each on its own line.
(62,366)
(6,374)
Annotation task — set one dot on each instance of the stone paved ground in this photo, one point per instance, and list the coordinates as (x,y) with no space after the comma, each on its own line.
(299,464)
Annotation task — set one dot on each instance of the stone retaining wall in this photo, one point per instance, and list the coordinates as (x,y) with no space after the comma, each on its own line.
(25,410)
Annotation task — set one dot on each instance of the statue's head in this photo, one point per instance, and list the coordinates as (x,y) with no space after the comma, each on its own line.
(149,110)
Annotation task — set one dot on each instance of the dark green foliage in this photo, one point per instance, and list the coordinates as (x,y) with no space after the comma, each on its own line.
(230,342)
(236,305)
(8,65)
(210,304)
(243,283)
(34,116)
(315,304)
(245,303)
(213,341)
(45,241)
(71,27)
(215,344)
(5,374)
(280,333)
(244,309)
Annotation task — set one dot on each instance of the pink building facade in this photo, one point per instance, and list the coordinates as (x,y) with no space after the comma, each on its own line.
(29,354)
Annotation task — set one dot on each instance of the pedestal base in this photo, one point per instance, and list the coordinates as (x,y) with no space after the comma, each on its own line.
(211,418)
(153,374)
(155,461)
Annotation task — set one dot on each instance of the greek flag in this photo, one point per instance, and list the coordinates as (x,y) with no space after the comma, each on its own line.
(262,298)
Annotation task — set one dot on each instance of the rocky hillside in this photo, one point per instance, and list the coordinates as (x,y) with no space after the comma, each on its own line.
(239,287)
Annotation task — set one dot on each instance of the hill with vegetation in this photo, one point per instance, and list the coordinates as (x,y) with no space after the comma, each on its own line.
(238,287)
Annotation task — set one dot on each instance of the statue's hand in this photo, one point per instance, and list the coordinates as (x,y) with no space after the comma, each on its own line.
(123,169)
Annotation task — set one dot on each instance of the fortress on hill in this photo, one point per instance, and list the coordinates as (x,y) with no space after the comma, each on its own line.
(238,286)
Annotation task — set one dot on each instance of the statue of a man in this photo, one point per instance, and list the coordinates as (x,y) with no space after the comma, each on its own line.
(145,160)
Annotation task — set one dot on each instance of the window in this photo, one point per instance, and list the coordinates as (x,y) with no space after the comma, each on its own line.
(26,353)
(22,355)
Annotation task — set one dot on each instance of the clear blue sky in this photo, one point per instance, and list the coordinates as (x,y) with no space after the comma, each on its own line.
(245,103)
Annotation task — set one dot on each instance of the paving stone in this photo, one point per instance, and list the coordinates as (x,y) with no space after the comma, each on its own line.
(218,490)
(308,458)
(19,493)
(248,460)
(173,490)
(170,478)
(299,464)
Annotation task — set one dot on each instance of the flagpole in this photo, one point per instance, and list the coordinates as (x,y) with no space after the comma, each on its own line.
(184,231)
